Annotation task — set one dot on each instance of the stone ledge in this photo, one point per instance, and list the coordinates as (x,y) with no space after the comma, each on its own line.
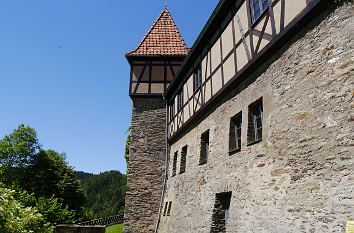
(79,229)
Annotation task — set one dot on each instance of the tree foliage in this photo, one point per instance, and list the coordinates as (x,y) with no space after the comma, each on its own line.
(16,218)
(49,175)
(105,192)
(54,211)
(38,189)
(17,149)
(127,145)
(39,182)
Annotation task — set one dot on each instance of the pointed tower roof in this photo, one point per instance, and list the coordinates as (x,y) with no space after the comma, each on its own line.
(163,39)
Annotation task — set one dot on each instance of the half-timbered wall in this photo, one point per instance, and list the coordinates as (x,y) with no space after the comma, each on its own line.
(236,43)
(299,177)
(152,77)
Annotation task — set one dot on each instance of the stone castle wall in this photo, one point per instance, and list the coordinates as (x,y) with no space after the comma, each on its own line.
(146,165)
(300,177)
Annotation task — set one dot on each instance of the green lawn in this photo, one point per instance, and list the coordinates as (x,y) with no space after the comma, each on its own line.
(115,229)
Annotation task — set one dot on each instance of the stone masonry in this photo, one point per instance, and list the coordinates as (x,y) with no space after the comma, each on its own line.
(79,229)
(146,165)
(300,177)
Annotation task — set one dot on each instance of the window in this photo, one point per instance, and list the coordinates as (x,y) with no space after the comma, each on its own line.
(165,210)
(204,150)
(169,208)
(183,160)
(221,212)
(174,168)
(255,121)
(257,8)
(172,111)
(197,78)
(180,100)
(235,133)
(168,166)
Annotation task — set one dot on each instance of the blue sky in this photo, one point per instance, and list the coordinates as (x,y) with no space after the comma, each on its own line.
(63,70)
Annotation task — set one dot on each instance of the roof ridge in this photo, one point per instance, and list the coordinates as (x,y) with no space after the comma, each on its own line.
(152,26)
(178,32)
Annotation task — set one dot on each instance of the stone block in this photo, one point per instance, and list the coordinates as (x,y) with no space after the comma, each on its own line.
(79,229)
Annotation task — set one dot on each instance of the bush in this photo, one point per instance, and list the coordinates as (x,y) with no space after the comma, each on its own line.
(15,218)
(53,211)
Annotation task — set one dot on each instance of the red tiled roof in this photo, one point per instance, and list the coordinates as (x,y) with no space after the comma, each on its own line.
(163,38)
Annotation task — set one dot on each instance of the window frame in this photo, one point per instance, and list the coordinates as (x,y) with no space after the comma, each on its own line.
(255,122)
(169,208)
(172,111)
(235,133)
(174,165)
(183,164)
(258,125)
(254,18)
(180,100)
(204,147)
(165,209)
(226,208)
(197,78)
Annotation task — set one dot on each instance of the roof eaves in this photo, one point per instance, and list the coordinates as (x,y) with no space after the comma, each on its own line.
(197,46)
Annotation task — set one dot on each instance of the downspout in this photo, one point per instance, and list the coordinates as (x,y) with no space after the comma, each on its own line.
(166,171)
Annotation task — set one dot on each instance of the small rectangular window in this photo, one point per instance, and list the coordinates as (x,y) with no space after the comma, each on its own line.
(197,78)
(255,121)
(180,100)
(172,111)
(221,212)
(168,166)
(204,148)
(169,208)
(174,168)
(235,133)
(183,160)
(165,210)
(258,7)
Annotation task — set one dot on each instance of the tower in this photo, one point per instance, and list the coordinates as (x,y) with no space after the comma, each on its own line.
(153,65)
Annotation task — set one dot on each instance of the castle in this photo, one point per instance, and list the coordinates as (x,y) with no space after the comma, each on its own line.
(250,130)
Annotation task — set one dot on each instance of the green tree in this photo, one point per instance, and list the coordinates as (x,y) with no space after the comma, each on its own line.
(17,148)
(41,178)
(105,192)
(54,212)
(16,151)
(49,175)
(51,209)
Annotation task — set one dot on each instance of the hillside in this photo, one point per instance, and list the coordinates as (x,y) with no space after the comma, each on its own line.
(105,192)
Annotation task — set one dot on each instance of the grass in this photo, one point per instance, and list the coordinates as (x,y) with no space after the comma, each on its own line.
(115,229)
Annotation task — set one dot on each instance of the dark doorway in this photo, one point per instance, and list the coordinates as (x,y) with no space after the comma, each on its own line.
(221,212)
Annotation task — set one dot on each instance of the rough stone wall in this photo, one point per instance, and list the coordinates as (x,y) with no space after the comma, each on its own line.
(146,165)
(300,177)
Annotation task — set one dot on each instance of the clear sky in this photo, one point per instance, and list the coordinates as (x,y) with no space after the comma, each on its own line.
(63,70)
